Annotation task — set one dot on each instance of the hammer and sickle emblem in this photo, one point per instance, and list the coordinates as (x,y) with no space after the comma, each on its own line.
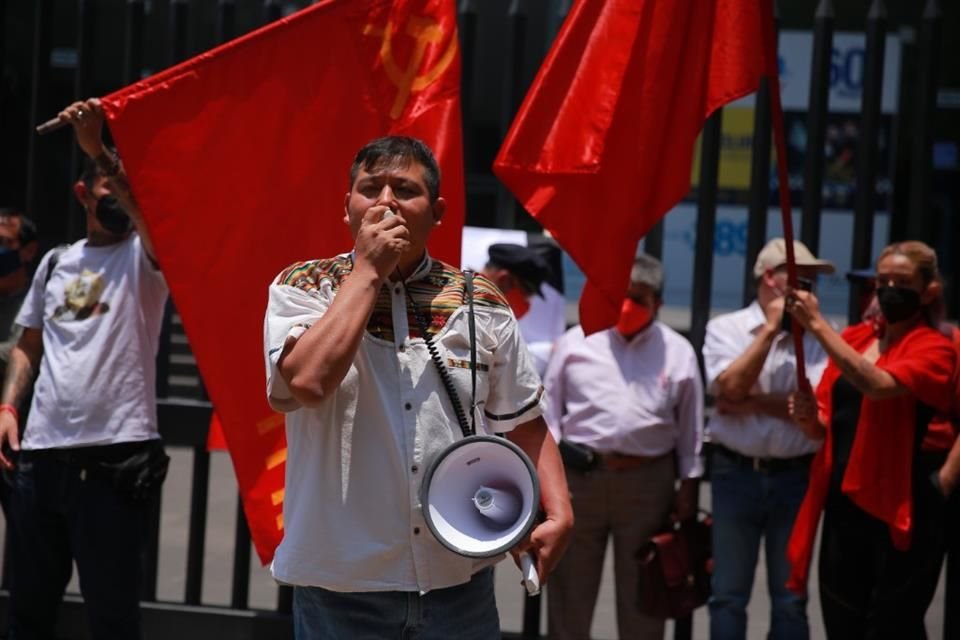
(425,31)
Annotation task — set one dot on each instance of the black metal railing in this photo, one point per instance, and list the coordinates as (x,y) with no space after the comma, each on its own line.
(516,33)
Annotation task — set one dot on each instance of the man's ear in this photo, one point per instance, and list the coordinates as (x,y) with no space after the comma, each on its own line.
(767,276)
(81,192)
(346,209)
(439,208)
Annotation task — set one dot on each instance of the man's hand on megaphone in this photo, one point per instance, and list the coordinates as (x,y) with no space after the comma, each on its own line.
(547,542)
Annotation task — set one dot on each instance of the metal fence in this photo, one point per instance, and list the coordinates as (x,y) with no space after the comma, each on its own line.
(131,37)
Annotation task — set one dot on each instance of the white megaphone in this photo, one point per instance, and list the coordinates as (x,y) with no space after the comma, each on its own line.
(480,497)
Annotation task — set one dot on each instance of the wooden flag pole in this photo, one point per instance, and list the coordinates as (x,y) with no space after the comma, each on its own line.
(783,179)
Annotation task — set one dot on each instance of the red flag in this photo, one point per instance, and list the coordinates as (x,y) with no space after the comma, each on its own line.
(239,159)
(601,147)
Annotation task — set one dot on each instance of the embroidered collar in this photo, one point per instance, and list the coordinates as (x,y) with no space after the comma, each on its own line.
(419,273)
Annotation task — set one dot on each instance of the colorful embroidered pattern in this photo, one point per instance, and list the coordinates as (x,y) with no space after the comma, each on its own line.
(465,364)
(307,275)
(437,294)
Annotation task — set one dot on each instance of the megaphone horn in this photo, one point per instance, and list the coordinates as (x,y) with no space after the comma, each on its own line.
(480,497)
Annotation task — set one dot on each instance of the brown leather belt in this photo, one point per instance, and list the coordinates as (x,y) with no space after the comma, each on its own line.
(624,462)
(577,457)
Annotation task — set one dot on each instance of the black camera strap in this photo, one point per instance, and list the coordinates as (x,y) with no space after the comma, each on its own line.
(468,428)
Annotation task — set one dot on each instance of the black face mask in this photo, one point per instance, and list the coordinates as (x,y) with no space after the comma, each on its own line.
(9,261)
(898,303)
(112,216)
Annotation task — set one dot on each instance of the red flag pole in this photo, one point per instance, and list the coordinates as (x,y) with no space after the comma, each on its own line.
(783,179)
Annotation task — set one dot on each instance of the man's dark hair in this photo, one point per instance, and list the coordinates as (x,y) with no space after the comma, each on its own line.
(28,230)
(90,170)
(398,149)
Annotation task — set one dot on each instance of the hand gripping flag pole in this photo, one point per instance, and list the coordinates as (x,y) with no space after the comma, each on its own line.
(783,178)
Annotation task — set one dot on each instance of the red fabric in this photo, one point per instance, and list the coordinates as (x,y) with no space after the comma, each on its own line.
(944,428)
(239,159)
(216,439)
(878,474)
(601,148)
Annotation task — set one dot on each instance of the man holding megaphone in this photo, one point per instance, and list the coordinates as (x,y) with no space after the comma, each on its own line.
(383,359)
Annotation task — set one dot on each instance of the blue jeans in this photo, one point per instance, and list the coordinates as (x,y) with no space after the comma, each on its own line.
(466,612)
(749,505)
(58,515)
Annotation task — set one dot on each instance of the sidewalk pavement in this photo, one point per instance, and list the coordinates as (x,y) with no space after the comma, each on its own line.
(218,560)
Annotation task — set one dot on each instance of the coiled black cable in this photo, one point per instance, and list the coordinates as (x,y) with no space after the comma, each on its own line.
(442,370)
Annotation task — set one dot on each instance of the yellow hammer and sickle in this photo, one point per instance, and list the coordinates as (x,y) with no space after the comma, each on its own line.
(424,31)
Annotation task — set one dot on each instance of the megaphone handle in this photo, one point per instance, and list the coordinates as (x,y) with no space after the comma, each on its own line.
(531,580)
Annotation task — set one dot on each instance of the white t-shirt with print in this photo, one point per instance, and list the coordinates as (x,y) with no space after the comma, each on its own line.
(100,312)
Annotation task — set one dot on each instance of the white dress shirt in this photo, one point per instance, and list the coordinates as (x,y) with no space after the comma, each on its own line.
(756,435)
(640,397)
(352,516)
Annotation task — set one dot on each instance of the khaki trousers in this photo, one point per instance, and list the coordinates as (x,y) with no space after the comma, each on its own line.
(631,505)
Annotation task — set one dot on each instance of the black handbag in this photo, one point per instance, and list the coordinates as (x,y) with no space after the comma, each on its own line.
(674,570)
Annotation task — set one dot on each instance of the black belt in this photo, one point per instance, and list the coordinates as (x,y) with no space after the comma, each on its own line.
(766,465)
(89,457)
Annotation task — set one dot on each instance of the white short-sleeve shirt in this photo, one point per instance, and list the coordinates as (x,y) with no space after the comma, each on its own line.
(760,436)
(352,517)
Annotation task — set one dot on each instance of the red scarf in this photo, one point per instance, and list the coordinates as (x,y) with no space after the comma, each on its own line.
(878,474)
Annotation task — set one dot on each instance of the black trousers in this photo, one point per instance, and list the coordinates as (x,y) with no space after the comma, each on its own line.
(868,589)
(951,604)
(60,514)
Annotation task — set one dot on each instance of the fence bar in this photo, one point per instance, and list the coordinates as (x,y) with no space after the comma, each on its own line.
(759,201)
(921,223)
(148,588)
(706,228)
(703,267)
(563,8)
(133,41)
(3,46)
(240,597)
(40,77)
(164,351)
(198,525)
(653,241)
(867,146)
(86,20)
(532,606)
(285,599)
(759,186)
(272,10)
(179,27)
(467,29)
(817,108)
(226,20)
(512,91)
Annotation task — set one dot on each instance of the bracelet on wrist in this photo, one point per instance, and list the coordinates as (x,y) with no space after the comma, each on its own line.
(12,410)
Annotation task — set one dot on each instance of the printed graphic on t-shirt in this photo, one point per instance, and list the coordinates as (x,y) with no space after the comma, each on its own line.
(82,297)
